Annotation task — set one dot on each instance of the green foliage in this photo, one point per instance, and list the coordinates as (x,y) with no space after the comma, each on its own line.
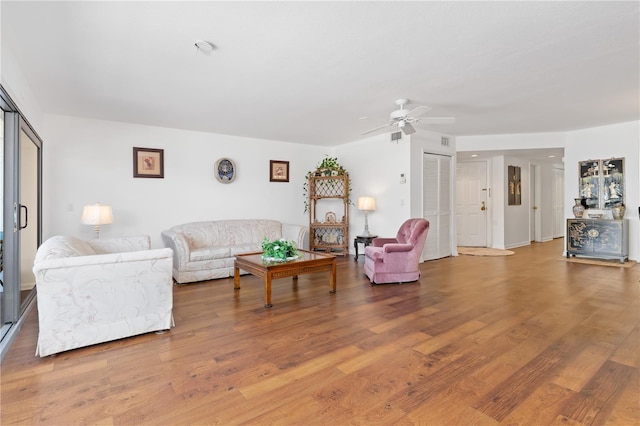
(278,250)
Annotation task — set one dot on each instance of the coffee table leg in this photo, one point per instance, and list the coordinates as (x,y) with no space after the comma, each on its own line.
(267,290)
(236,278)
(332,279)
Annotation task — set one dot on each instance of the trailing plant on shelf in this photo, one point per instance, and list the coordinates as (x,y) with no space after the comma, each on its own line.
(329,166)
(279,250)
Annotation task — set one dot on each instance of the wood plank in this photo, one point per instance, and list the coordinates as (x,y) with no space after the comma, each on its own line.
(596,400)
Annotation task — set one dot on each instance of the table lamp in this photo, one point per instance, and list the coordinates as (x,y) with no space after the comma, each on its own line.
(96,215)
(366,204)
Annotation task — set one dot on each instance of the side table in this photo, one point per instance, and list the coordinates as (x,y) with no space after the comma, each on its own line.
(362,240)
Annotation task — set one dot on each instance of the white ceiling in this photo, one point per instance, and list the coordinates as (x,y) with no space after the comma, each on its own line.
(307,72)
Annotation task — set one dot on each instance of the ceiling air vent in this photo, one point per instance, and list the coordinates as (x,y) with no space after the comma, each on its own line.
(396,136)
(444,141)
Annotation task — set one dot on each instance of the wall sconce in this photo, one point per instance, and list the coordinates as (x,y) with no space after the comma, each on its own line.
(96,215)
(366,204)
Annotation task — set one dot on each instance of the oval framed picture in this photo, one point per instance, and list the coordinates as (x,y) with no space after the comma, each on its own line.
(225,170)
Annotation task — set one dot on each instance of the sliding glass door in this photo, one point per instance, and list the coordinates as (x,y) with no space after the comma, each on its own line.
(21,213)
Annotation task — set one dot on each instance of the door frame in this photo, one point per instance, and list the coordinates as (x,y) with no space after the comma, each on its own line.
(535,202)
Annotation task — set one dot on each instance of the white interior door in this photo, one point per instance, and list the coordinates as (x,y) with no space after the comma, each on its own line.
(535,223)
(558,203)
(471,204)
(436,205)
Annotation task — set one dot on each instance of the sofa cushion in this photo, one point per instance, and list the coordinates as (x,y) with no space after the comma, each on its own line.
(62,246)
(205,234)
(208,253)
(242,232)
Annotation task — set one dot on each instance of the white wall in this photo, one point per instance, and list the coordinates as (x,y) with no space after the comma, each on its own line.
(88,161)
(18,88)
(517,217)
(375,165)
(498,178)
(510,141)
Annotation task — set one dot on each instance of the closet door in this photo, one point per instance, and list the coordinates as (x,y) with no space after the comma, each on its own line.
(436,205)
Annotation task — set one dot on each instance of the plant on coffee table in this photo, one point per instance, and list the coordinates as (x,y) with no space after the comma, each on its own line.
(279,250)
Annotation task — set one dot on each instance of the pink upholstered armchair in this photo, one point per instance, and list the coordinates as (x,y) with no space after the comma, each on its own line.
(395,260)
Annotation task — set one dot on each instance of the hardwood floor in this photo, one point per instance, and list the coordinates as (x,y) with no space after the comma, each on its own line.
(526,339)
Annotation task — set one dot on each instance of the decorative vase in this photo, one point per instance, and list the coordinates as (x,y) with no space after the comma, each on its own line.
(578,209)
(618,211)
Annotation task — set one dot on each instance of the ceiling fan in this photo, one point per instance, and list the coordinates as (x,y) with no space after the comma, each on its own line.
(403,118)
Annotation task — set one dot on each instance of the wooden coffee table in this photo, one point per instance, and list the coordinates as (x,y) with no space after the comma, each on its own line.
(308,263)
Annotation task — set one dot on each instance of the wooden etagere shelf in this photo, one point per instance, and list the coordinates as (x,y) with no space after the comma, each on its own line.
(329,230)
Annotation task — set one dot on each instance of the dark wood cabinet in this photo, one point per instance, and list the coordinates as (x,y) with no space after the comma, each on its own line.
(598,238)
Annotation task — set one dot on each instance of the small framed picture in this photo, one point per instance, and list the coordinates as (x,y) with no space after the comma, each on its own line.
(148,163)
(278,171)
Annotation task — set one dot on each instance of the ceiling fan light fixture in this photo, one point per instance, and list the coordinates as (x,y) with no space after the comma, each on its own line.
(408,129)
(398,114)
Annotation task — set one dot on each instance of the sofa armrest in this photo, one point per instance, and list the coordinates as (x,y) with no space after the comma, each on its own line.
(101,259)
(294,233)
(120,245)
(181,249)
(397,248)
(379,242)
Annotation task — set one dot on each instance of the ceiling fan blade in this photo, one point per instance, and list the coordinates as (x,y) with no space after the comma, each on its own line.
(437,120)
(418,111)
(408,129)
(375,129)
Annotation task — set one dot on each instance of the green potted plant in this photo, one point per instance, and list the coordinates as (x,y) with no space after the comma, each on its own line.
(279,250)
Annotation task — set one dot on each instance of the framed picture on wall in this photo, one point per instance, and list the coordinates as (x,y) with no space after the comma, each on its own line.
(278,171)
(515,186)
(148,163)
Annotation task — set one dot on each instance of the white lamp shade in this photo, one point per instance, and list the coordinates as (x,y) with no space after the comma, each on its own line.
(366,203)
(96,214)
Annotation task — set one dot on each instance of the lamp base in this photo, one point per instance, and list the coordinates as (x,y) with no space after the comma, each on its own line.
(366,232)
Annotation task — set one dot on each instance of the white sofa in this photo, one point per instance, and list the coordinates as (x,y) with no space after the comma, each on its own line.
(95,291)
(206,250)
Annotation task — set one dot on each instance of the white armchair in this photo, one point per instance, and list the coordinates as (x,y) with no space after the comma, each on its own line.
(95,291)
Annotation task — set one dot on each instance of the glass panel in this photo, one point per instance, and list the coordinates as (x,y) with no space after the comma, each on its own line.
(613,174)
(1,217)
(590,183)
(28,212)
